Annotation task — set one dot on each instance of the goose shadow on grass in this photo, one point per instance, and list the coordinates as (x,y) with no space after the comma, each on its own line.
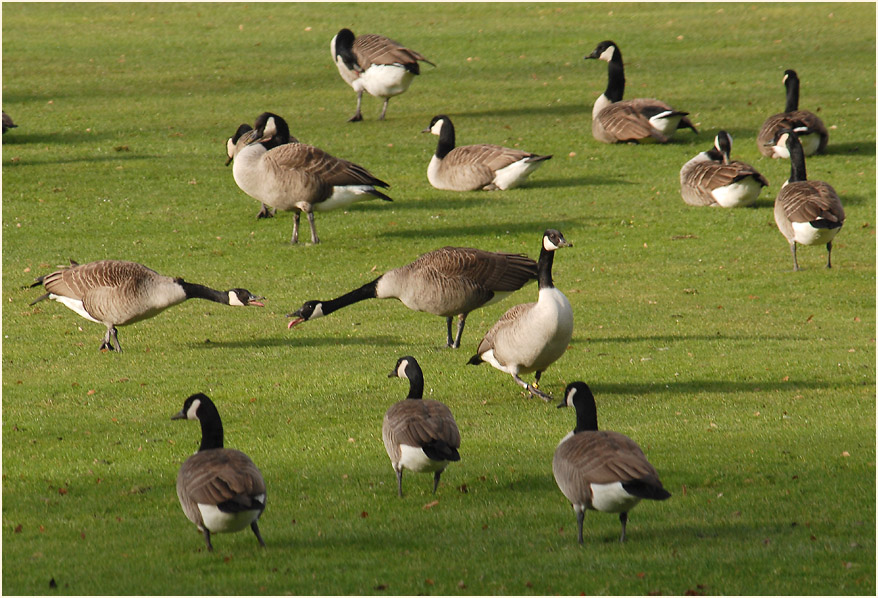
(489,229)
(705,386)
(298,340)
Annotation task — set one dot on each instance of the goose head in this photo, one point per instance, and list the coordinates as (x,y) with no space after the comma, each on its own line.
(579,396)
(310,310)
(406,367)
(436,124)
(606,50)
(723,144)
(244,298)
(553,240)
(270,129)
(192,406)
(232,143)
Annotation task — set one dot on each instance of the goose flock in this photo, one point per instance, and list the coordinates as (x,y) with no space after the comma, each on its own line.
(221,489)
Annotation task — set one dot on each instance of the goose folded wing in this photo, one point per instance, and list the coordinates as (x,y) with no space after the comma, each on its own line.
(218,477)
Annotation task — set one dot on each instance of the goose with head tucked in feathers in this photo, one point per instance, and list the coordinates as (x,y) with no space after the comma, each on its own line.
(712,178)
(220,489)
(813,134)
(448,282)
(473,167)
(117,293)
(375,64)
(298,177)
(601,470)
(642,120)
(242,137)
(806,212)
(532,336)
(419,434)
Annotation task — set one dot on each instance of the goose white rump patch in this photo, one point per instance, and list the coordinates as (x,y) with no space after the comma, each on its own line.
(384,80)
(514,174)
(220,522)
(75,305)
(414,459)
(612,498)
(344,195)
(806,234)
(742,193)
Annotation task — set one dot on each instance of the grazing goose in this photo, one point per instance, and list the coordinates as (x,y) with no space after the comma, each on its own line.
(448,282)
(806,212)
(419,434)
(116,293)
(712,179)
(375,64)
(7,122)
(298,177)
(472,167)
(532,336)
(601,471)
(814,135)
(642,120)
(220,489)
(242,137)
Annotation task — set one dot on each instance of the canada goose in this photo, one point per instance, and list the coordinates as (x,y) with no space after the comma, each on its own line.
(806,212)
(117,293)
(712,179)
(642,120)
(375,64)
(448,282)
(813,141)
(602,471)
(298,177)
(531,336)
(419,434)
(472,167)
(242,137)
(7,122)
(221,490)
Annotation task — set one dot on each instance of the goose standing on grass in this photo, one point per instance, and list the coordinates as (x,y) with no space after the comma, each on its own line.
(7,122)
(806,212)
(532,336)
(642,120)
(813,134)
(473,167)
(221,490)
(298,177)
(242,137)
(712,179)
(448,282)
(600,470)
(375,64)
(419,434)
(117,293)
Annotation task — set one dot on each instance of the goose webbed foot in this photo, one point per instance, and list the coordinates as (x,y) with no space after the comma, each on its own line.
(266,212)
(111,341)
(255,529)
(207,539)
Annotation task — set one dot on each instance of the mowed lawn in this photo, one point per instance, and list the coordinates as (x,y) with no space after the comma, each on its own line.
(750,387)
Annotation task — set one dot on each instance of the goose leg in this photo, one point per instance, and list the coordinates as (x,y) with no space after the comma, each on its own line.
(207,539)
(255,529)
(295,238)
(795,261)
(829,255)
(265,212)
(399,482)
(534,391)
(461,322)
(314,238)
(384,109)
(359,115)
(623,517)
(111,340)
(436,480)
(450,342)
(580,517)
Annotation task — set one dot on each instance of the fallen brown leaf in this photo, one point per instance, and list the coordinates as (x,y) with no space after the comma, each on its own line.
(430,505)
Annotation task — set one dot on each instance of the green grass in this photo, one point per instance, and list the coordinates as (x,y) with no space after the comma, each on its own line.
(750,387)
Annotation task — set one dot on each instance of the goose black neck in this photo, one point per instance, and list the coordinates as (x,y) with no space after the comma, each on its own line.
(615,78)
(446,139)
(792,84)
(586,416)
(797,159)
(416,383)
(367,291)
(199,291)
(544,268)
(211,427)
